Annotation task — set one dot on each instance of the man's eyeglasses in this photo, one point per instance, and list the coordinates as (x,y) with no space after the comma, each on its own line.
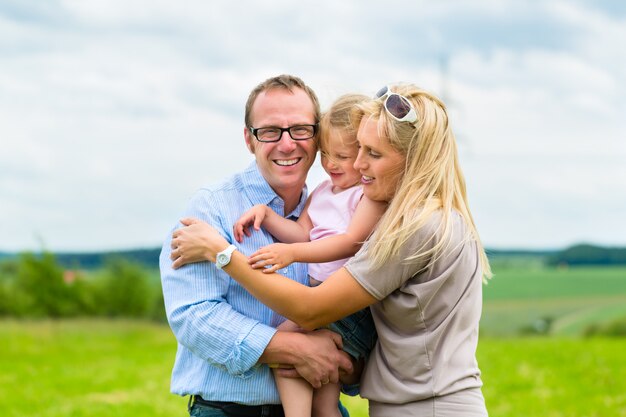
(273,134)
(398,106)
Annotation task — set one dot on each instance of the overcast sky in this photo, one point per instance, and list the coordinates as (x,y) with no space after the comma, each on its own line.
(112,113)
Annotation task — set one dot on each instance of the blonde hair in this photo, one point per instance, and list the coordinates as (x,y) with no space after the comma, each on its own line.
(432,181)
(339,119)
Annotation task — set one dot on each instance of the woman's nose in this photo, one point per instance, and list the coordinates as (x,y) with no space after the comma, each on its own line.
(358,162)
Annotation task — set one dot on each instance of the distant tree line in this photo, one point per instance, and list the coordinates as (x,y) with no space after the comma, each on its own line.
(37,285)
(585,254)
(580,254)
(126,284)
(146,257)
(95,260)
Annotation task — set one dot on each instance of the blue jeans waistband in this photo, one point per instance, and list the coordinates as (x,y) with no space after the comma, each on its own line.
(241,410)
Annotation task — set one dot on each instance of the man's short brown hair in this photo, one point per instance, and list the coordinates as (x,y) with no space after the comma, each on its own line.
(284,81)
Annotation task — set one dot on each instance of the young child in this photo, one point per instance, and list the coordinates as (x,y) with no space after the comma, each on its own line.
(336,220)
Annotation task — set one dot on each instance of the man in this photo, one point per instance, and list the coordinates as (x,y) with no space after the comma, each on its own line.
(225,336)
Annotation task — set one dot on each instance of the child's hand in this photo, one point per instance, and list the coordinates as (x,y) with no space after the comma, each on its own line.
(253,216)
(278,255)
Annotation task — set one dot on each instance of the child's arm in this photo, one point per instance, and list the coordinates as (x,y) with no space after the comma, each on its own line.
(329,249)
(281,228)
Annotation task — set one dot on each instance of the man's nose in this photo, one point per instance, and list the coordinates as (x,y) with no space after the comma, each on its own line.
(286,143)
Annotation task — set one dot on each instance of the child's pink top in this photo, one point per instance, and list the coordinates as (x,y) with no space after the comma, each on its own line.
(331,214)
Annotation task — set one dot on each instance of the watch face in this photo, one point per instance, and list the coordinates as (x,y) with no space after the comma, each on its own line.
(222,258)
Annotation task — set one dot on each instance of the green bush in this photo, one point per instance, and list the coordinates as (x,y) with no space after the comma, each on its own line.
(540,326)
(157,311)
(614,328)
(124,289)
(40,290)
(36,286)
(5,300)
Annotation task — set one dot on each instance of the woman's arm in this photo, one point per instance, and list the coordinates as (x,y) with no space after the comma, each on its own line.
(339,296)
(310,307)
(329,249)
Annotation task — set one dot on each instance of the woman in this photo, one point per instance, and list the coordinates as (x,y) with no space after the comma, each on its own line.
(421,270)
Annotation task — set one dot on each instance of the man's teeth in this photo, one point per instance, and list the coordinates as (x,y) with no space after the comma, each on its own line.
(286,162)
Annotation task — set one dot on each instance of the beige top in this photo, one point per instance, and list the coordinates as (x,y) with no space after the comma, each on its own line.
(427,323)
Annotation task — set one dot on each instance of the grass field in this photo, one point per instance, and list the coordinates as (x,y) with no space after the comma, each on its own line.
(93,368)
(522,283)
(86,368)
(122,368)
(519,299)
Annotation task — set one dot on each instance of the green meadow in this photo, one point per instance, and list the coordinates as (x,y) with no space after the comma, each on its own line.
(532,352)
(554,301)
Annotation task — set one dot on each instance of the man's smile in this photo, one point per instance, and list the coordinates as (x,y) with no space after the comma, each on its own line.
(287,162)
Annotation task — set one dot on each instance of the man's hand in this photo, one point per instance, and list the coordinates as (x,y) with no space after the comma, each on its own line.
(315,356)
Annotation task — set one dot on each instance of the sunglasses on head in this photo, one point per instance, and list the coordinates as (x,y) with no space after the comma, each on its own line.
(398,107)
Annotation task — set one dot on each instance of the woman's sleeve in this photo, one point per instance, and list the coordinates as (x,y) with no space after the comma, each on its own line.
(380,282)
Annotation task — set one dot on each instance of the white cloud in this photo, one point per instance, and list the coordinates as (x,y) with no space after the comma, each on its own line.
(112,113)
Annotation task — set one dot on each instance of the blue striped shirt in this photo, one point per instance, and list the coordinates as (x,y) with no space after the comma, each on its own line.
(220,328)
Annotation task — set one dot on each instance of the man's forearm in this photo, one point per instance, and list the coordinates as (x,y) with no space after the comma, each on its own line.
(218,334)
(316,356)
(283,349)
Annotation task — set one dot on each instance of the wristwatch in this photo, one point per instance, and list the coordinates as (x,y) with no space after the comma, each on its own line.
(223,258)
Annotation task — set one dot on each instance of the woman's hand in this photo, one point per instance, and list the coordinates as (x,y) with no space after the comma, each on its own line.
(278,255)
(197,241)
(254,216)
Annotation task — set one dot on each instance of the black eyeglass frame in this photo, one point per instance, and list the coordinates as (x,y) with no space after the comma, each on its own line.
(255,130)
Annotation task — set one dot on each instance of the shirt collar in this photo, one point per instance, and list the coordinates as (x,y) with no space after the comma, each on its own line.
(264,194)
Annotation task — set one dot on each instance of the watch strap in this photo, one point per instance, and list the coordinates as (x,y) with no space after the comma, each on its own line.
(223,258)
